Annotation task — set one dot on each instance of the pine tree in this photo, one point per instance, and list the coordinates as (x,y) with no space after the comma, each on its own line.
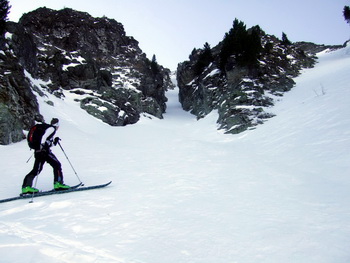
(4,11)
(205,58)
(233,42)
(244,45)
(285,39)
(346,13)
(154,65)
(253,46)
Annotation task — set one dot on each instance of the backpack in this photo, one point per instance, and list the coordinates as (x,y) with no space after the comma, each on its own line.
(35,134)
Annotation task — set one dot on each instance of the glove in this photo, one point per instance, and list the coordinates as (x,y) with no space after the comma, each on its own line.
(46,145)
(56,140)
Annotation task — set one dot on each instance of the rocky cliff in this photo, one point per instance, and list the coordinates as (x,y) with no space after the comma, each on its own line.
(241,76)
(71,51)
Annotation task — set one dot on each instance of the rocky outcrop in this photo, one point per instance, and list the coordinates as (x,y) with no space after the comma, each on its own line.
(312,48)
(70,51)
(18,106)
(241,92)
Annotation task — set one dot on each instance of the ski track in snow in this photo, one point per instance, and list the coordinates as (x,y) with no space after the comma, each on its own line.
(184,192)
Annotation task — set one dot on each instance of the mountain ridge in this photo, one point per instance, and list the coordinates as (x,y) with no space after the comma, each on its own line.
(113,80)
(91,57)
(244,82)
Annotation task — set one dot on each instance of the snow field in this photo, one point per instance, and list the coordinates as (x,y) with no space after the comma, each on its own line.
(184,192)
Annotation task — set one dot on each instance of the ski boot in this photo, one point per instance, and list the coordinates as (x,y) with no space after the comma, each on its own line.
(29,190)
(60,186)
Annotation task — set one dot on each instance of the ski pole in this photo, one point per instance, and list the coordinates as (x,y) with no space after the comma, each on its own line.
(36,181)
(70,163)
(30,158)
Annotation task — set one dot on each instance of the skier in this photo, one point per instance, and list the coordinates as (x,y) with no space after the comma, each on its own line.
(43,154)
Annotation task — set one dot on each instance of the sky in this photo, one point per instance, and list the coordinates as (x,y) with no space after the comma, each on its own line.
(171,29)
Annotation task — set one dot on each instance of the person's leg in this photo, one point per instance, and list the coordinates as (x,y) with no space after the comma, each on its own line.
(56,165)
(57,171)
(38,166)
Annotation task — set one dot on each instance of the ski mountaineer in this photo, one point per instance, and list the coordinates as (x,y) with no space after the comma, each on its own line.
(43,154)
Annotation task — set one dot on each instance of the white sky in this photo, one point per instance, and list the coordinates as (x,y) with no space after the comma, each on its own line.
(170,29)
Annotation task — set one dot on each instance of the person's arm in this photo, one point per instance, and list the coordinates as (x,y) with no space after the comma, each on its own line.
(49,131)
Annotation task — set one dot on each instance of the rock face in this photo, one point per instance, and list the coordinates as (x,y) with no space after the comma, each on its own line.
(70,51)
(18,105)
(241,92)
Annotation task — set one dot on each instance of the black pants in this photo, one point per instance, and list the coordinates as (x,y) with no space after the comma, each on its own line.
(40,159)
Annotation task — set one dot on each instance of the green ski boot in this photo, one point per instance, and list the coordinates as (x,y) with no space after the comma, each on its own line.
(29,190)
(60,186)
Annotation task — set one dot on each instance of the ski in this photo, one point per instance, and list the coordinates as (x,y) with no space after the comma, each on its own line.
(74,188)
(41,193)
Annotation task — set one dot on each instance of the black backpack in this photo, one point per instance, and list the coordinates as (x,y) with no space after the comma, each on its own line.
(35,134)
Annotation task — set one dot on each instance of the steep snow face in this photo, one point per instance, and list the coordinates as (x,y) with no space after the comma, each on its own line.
(184,192)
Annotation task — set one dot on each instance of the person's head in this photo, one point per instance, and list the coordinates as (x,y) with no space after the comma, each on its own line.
(55,123)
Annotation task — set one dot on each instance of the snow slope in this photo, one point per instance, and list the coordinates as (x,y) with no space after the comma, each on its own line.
(184,192)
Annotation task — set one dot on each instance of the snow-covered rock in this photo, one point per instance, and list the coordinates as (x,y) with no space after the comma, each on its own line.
(257,83)
(91,57)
